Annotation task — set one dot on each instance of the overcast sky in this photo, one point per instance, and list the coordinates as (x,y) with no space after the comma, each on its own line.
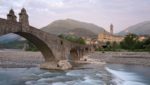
(121,13)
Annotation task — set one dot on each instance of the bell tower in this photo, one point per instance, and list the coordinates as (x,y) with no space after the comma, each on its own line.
(111,29)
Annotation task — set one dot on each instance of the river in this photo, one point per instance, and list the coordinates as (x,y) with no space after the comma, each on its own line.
(119,74)
(129,74)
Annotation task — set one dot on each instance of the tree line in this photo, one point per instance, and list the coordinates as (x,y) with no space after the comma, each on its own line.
(131,42)
(72,38)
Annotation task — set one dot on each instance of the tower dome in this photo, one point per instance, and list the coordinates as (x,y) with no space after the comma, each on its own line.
(11,11)
(23,10)
(23,17)
(11,15)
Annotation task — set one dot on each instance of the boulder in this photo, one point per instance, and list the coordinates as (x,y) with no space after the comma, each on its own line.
(64,64)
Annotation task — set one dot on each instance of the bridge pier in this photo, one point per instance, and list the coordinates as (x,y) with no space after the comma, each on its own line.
(77,54)
(56,65)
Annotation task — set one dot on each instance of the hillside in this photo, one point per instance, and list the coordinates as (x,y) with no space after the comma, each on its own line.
(139,29)
(12,41)
(68,25)
(81,32)
(9,38)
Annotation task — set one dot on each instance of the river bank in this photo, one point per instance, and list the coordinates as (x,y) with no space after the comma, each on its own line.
(130,58)
(33,59)
(20,59)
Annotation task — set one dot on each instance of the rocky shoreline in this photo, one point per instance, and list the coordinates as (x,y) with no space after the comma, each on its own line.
(130,58)
(20,59)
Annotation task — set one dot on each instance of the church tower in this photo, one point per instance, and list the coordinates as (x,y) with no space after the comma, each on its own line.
(11,16)
(23,18)
(111,29)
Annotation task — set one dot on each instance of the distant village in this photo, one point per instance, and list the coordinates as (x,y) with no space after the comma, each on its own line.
(110,37)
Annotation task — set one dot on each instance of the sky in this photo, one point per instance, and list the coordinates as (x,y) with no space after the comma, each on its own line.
(121,13)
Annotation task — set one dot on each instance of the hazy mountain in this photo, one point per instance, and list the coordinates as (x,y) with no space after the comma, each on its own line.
(11,41)
(9,38)
(69,25)
(139,29)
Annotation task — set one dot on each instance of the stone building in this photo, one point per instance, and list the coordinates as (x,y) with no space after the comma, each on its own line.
(109,37)
(142,37)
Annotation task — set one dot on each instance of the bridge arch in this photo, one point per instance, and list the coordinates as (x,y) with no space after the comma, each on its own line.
(41,45)
(32,34)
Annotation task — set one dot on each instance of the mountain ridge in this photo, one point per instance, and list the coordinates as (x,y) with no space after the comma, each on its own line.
(64,26)
(142,28)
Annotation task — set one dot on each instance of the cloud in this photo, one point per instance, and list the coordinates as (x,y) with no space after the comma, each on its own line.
(121,13)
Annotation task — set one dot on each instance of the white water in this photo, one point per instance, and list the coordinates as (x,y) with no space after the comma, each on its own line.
(121,75)
(134,75)
(35,76)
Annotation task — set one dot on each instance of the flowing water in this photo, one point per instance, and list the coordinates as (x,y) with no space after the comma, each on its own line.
(119,74)
(36,76)
(129,74)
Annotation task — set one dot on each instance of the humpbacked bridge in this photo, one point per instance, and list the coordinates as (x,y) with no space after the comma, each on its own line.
(57,52)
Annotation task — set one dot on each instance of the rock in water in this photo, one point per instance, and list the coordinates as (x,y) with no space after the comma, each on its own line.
(64,64)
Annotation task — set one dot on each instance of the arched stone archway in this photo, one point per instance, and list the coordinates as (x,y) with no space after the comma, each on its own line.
(41,45)
(37,37)
(77,53)
(74,54)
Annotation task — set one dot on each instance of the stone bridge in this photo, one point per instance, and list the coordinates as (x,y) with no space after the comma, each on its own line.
(57,52)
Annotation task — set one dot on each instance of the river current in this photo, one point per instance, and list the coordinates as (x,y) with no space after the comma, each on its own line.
(118,74)
(129,74)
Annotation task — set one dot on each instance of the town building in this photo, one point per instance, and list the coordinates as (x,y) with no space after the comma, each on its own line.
(109,37)
(142,37)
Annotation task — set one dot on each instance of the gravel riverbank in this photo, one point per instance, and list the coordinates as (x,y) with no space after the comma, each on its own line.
(133,58)
(32,59)
(20,59)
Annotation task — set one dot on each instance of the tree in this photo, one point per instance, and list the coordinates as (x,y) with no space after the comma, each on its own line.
(146,44)
(31,47)
(130,42)
(115,45)
(72,38)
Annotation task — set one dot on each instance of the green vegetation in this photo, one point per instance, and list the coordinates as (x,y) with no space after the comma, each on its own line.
(19,45)
(12,45)
(114,46)
(130,43)
(72,38)
(31,47)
